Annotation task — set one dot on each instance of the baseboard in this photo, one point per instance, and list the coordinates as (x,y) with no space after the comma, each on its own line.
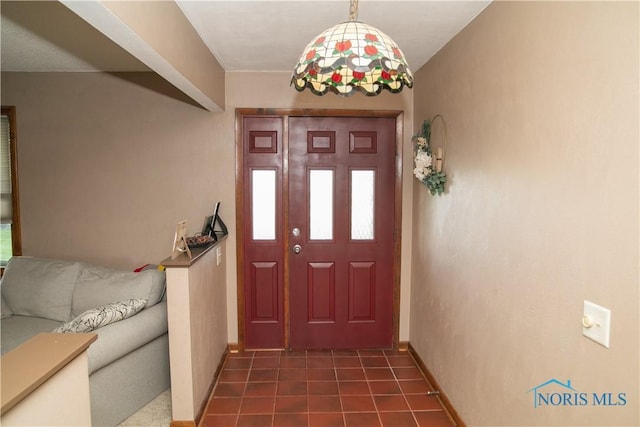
(233,347)
(446,403)
(203,406)
(200,412)
(403,346)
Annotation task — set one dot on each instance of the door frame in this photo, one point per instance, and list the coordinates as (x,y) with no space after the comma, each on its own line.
(284,114)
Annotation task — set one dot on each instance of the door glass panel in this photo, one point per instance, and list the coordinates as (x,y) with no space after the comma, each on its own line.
(362,204)
(263,204)
(321,204)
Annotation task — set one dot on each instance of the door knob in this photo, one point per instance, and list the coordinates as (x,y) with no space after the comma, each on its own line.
(297,249)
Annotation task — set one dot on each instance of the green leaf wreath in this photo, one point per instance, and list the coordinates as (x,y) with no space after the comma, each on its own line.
(425,171)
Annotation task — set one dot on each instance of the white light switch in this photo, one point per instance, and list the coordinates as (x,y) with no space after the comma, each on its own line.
(596,323)
(218,256)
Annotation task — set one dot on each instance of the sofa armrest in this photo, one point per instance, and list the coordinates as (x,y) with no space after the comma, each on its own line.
(121,338)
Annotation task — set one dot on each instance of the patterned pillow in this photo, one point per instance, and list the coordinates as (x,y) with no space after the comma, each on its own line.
(103,315)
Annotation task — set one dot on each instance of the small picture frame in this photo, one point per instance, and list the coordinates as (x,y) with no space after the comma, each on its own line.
(179,241)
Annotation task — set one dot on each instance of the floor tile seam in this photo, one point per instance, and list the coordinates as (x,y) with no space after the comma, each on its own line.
(229,413)
(215,415)
(400,410)
(438,401)
(415,418)
(244,389)
(423,378)
(322,412)
(404,397)
(344,420)
(272,413)
(374,400)
(226,397)
(339,400)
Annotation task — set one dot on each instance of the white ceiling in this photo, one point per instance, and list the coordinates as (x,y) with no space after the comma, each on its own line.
(244,35)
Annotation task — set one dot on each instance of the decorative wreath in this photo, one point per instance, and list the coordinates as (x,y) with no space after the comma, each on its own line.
(425,170)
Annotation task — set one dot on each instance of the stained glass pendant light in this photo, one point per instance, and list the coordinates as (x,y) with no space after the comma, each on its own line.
(349,57)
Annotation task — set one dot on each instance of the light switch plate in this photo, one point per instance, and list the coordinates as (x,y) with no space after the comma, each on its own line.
(218,256)
(596,323)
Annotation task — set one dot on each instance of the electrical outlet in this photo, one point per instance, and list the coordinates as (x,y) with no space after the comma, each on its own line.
(596,323)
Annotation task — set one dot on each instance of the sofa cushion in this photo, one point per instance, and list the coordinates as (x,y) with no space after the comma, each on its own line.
(18,329)
(121,338)
(40,287)
(100,286)
(6,310)
(102,316)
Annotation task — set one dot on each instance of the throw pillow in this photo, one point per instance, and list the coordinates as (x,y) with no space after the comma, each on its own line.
(103,315)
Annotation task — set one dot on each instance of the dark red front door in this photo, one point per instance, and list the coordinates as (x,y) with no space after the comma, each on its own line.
(341,225)
(320,251)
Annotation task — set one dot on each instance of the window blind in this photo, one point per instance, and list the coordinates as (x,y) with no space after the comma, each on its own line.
(6,210)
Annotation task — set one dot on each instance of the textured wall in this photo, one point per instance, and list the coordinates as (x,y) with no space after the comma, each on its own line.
(541,212)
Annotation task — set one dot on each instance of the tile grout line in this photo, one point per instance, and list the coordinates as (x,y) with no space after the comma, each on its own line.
(375,405)
(335,372)
(244,390)
(404,396)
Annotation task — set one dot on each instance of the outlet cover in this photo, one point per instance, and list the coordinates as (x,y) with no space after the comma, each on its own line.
(596,323)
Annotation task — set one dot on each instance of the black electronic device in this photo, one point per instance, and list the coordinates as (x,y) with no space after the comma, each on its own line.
(213,221)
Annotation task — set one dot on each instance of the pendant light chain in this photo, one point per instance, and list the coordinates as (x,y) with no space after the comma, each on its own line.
(353,10)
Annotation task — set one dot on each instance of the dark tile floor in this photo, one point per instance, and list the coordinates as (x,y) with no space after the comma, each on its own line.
(353,388)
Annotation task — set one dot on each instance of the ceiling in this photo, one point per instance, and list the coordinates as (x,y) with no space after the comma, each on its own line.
(266,35)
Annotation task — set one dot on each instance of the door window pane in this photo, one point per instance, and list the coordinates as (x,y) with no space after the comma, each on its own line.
(320,204)
(362,204)
(263,204)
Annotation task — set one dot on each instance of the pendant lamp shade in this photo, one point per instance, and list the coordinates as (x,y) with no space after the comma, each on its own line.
(349,57)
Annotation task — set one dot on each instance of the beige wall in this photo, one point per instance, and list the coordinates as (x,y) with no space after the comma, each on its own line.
(541,212)
(109,163)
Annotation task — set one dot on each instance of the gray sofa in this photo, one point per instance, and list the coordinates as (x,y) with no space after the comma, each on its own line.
(129,362)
